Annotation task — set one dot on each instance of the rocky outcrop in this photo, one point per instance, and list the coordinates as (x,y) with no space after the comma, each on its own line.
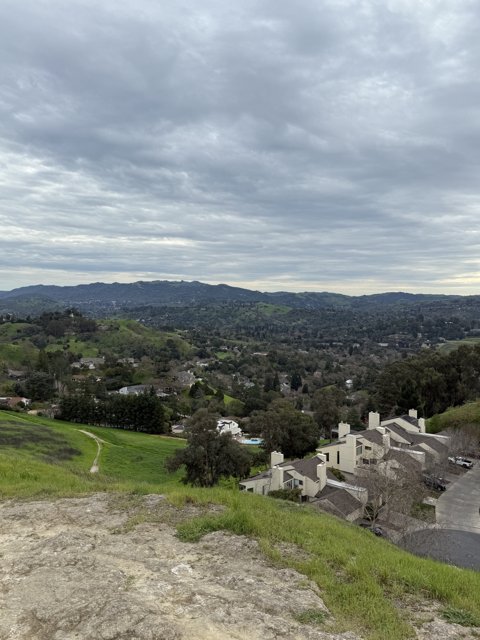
(77,569)
(109,567)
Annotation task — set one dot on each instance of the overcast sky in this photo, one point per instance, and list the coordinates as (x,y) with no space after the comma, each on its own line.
(309,145)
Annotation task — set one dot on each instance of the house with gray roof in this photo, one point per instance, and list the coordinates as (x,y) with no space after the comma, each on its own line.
(355,450)
(317,486)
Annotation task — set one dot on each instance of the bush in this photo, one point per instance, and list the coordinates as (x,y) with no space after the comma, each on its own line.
(293,495)
(338,474)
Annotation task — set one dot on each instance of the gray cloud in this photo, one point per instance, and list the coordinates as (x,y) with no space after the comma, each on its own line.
(327,145)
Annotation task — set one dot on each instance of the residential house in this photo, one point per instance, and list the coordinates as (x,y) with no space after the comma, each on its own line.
(14,401)
(363,448)
(354,449)
(340,502)
(225,425)
(134,390)
(309,475)
(317,486)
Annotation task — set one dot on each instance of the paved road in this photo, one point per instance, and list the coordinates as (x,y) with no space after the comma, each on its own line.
(458,507)
(461,548)
(456,538)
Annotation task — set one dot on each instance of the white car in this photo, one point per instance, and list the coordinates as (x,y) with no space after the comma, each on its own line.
(462,462)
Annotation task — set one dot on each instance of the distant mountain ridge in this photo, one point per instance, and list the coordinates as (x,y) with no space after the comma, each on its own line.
(116,295)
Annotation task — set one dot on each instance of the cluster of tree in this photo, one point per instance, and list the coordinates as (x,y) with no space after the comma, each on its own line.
(144,412)
(38,386)
(284,428)
(430,382)
(209,455)
(59,323)
(412,321)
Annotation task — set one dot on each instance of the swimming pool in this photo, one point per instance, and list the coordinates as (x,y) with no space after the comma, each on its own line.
(251,441)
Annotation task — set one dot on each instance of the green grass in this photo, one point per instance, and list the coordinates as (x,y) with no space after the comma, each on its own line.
(20,354)
(467,414)
(451,345)
(10,330)
(87,349)
(362,579)
(230,400)
(311,616)
(122,334)
(48,457)
(459,616)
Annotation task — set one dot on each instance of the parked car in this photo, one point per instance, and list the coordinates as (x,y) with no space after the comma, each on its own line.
(378,531)
(438,484)
(461,462)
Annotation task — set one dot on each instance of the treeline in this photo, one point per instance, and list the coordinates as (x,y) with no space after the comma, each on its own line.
(430,382)
(144,412)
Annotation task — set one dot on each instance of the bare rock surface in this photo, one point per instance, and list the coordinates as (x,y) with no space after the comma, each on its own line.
(111,568)
(77,569)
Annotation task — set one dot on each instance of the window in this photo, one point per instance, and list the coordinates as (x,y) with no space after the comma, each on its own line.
(338,457)
(368,448)
(327,456)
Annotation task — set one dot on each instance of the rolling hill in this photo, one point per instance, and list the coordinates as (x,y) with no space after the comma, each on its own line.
(110,297)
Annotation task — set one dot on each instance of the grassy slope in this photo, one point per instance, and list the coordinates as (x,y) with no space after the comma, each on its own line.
(113,335)
(467,414)
(34,458)
(362,579)
(451,345)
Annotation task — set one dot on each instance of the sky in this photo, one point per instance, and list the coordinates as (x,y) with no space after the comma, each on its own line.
(316,145)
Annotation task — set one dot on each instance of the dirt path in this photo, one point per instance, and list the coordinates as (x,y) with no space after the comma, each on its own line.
(94,468)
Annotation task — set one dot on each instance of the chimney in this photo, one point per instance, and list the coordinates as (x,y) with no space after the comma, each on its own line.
(276,458)
(373,420)
(343,429)
(421,424)
(322,470)
(412,413)
(386,441)
(277,478)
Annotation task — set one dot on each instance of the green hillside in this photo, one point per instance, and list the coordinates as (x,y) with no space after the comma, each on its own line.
(451,345)
(20,341)
(463,416)
(367,583)
(47,457)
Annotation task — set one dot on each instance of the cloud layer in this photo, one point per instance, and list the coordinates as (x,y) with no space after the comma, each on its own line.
(275,145)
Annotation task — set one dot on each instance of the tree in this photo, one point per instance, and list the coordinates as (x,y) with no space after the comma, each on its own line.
(296,381)
(326,406)
(209,455)
(39,386)
(393,488)
(285,429)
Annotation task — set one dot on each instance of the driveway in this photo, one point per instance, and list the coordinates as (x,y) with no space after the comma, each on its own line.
(461,548)
(455,538)
(458,507)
